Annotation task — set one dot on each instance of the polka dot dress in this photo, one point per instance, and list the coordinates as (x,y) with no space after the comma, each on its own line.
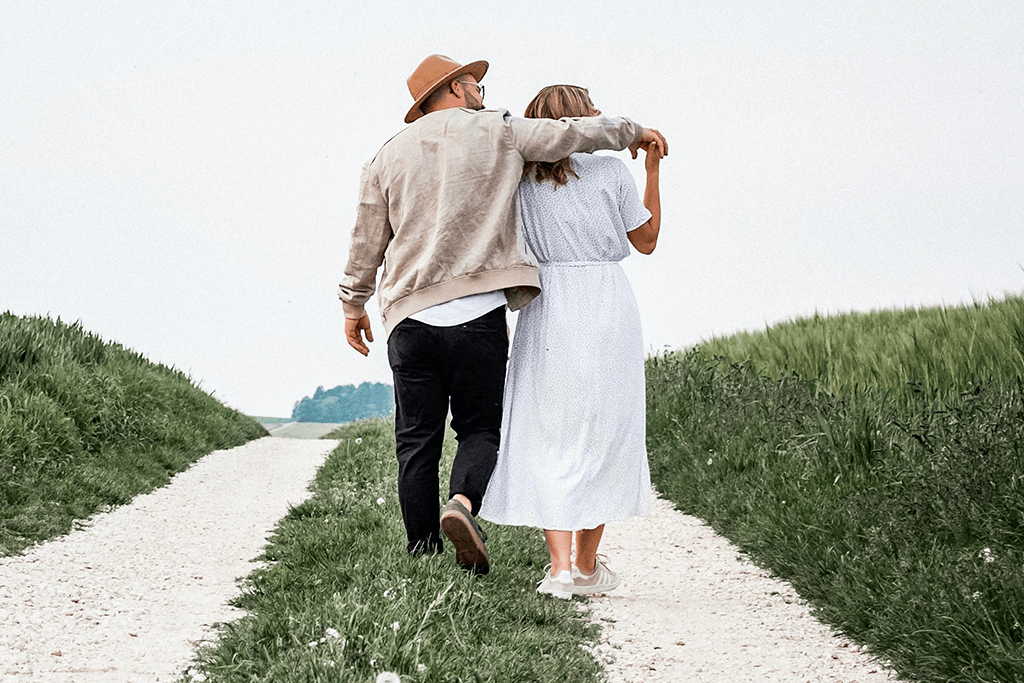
(572,451)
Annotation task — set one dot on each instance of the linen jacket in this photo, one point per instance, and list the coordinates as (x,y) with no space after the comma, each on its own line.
(437,206)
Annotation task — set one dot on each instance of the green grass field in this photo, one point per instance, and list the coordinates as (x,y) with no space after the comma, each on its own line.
(937,349)
(877,462)
(85,424)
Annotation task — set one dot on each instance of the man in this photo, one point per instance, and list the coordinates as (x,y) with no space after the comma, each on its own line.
(437,207)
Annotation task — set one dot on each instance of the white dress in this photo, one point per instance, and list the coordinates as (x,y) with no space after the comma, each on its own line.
(572,453)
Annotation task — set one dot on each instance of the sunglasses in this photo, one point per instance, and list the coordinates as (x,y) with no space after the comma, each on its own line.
(478,86)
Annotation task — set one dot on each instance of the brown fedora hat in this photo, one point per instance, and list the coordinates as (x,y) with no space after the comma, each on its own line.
(434,71)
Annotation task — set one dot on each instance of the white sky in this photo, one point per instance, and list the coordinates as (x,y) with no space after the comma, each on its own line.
(181,177)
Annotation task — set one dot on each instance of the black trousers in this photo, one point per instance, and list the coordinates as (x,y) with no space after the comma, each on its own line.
(434,367)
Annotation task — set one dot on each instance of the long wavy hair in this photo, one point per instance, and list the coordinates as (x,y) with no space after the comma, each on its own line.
(556,102)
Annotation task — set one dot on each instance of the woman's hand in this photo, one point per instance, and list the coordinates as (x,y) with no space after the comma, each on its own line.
(653,160)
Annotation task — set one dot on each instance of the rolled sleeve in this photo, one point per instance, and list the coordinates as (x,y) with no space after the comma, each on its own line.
(554,139)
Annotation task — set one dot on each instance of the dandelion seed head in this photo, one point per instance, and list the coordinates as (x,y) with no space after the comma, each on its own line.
(388,677)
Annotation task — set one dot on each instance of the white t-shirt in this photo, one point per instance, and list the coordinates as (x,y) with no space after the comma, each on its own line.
(461,310)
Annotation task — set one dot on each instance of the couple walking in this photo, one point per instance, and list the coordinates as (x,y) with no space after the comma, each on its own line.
(472,211)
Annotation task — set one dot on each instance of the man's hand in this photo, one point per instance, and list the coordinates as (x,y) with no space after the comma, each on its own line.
(354,333)
(650,137)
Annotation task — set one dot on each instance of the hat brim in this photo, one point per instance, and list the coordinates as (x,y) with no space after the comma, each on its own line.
(476,69)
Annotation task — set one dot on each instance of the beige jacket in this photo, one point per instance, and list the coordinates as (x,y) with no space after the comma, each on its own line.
(437,206)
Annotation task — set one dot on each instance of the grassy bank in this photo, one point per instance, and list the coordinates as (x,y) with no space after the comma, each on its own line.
(935,349)
(340,599)
(886,483)
(86,423)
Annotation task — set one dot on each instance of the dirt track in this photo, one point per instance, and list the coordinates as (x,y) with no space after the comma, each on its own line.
(109,603)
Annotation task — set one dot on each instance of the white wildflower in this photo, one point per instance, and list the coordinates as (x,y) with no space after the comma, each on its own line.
(380,501)
(709,461)
(313,643)
(986,554)
(332,633)
(421,667)
(395,626)
(388,677)
(359,439)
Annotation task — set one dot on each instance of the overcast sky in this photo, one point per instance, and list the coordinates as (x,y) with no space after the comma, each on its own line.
(181,177)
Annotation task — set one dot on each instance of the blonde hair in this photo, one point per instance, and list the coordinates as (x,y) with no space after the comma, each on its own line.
(557,102)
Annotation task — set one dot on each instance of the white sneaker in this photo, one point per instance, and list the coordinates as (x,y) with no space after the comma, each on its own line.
(560,586)
(601,581)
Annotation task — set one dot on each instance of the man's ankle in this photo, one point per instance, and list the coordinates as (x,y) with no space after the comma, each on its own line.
(464,501)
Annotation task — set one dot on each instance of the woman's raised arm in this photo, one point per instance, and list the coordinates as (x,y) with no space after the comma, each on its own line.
(645,238)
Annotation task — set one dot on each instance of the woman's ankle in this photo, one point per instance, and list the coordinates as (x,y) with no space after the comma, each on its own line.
(585,569)
(556,569)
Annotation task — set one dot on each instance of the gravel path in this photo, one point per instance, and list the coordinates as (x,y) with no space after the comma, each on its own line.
(690,608)
(128,597)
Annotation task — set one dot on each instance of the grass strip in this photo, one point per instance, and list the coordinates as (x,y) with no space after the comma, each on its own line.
(899,517)
(86,424)
(339,599)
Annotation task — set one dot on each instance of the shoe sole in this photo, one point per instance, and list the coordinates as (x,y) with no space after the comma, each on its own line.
(470,551)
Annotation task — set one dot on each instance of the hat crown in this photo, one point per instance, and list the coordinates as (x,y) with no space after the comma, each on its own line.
(429,72)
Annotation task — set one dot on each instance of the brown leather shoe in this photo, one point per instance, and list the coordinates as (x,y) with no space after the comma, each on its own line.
(467,537)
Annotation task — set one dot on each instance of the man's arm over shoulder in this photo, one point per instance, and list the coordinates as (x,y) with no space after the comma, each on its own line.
(551,139)
(370,237)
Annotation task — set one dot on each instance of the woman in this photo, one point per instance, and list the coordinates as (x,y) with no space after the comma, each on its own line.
(572,453)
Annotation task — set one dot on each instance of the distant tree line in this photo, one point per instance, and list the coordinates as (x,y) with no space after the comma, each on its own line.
(346,403)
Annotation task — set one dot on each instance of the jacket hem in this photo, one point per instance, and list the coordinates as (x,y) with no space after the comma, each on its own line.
(521,285)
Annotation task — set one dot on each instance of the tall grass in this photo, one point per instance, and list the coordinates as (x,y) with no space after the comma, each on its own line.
(341,600)
(86,423)
(931,349)
(899,514)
